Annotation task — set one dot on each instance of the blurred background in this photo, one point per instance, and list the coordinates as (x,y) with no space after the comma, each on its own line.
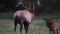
(42,8)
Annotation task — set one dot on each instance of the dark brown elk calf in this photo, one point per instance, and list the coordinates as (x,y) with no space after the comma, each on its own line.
(52,24)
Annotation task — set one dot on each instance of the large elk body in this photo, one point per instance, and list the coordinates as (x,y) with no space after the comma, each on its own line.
(23,17)
(52,24)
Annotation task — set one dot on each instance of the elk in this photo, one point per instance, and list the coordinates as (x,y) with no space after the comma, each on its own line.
(52,24)
(23,17)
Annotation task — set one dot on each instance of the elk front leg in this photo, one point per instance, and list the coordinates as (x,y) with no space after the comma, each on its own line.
(26,27)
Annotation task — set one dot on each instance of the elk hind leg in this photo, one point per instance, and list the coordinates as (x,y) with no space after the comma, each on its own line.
(26,27)
(21,27)
(57,31)
(15,25)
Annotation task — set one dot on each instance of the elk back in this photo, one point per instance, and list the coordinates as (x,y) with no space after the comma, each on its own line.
(26,15)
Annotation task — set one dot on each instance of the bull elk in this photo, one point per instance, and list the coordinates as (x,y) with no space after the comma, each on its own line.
(23,17)
(52,24)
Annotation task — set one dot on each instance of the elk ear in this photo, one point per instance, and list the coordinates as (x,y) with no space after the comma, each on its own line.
(20,3)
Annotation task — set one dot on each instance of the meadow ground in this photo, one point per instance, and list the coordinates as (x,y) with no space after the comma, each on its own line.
(38,26)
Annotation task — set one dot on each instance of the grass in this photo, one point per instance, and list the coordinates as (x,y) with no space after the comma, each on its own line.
(38,26)
(7,27)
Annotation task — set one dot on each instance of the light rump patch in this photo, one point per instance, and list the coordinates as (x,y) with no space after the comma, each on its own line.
(25,13)
(28,15)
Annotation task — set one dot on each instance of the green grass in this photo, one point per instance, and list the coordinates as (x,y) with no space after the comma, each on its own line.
(36,27)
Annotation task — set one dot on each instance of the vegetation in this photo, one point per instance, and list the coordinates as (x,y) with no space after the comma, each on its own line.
(49,6)
(49,9)
(37,26)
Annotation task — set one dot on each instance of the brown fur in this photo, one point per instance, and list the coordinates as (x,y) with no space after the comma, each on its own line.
(23,17)
(52,25)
